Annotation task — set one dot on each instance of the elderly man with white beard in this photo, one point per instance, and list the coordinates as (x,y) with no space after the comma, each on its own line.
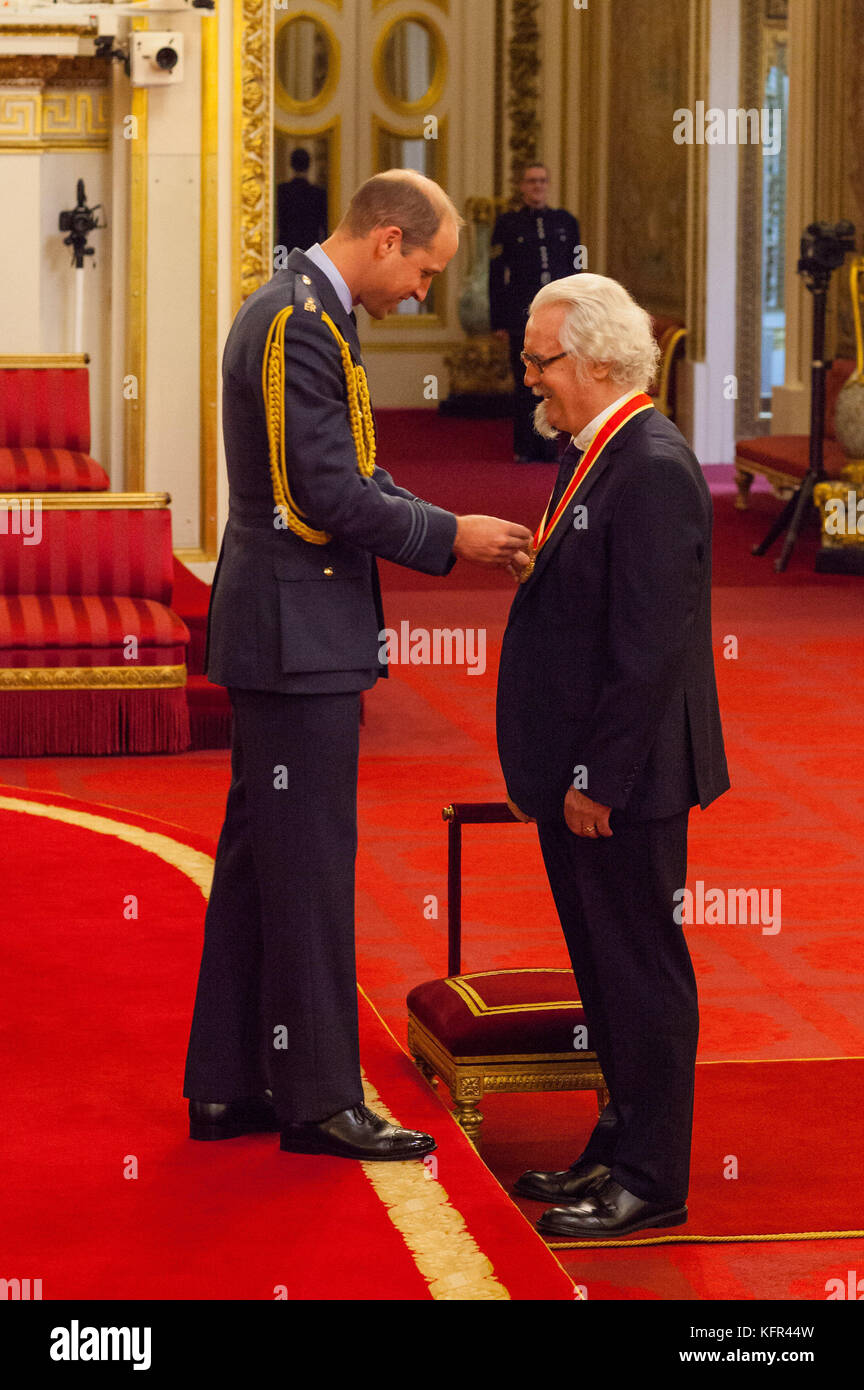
(608,732)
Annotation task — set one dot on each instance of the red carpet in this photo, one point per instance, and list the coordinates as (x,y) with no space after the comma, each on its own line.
(106,1198)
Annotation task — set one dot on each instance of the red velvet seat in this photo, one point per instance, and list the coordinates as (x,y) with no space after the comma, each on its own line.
(45,426)
(50,470)
(497,1030)
(92,657)
(496,1013)
(783,459)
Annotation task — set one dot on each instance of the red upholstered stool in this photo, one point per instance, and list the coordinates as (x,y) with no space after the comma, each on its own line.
(497,1030)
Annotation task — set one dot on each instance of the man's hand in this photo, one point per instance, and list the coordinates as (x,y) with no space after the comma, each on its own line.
(518,563)
(489,541)
(584,816)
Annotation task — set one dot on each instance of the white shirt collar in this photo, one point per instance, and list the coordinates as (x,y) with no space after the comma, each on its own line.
(324,263)
(584,437)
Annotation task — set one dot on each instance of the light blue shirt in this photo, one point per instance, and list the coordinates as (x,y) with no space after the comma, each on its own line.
(324,263)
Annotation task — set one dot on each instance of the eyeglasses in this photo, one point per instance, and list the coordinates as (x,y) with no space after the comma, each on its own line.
(539,363)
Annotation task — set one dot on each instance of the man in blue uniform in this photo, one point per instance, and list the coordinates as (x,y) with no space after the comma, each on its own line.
(530,247)
(295,634)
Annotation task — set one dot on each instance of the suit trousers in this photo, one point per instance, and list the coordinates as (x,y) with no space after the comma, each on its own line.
(615,902)
(276,1004)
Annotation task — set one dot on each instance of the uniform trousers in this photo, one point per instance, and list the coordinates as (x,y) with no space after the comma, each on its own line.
(276,1004)
(635,978)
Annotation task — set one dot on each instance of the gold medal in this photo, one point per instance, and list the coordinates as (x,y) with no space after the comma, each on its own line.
(529,568)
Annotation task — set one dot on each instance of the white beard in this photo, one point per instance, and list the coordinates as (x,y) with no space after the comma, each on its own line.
(541,423)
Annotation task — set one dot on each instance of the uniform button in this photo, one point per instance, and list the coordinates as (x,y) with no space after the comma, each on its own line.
(305,279)
(328,572)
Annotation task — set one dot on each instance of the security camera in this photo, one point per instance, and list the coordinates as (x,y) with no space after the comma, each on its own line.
(156,58)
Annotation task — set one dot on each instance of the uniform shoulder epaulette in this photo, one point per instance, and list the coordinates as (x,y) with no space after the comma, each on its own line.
(305,297)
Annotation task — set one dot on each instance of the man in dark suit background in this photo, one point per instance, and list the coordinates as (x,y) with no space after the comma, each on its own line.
(295,634)
(608,732)
(301,206)
(530,247)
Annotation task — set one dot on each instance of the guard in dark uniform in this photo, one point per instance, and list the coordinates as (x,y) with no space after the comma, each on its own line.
(530,247)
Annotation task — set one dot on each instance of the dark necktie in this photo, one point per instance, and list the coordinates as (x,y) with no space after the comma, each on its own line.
(569,463)
(353,317)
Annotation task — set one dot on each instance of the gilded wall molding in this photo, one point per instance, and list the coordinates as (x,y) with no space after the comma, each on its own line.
(749,278)
(209,287)
(523,94)
(253,140)
(697,184)
(134,419)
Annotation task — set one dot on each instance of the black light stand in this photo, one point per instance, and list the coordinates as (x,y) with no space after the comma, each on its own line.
(823,248)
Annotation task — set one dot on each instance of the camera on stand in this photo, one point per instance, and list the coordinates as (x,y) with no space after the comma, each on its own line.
(79,222)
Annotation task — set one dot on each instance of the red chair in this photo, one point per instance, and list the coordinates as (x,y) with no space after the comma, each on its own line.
(497,1030)
(92,657)
(784,458)
(45,426)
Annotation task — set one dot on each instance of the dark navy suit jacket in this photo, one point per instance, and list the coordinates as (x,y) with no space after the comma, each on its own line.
(606,662)
(286,614)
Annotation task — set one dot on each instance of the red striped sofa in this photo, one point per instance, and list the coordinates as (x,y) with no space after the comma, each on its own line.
(45,426)
(92,656)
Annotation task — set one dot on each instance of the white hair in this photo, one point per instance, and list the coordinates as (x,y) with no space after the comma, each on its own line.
(603,323)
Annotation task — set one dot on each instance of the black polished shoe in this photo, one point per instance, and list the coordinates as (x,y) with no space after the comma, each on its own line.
(356,1133)
(609,1210)
(569,1185)
(226,1120)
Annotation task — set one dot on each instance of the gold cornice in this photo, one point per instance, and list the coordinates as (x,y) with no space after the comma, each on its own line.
(33,119)
(92,677)
(208,383)
(53,69)
(48,29)
(89,501)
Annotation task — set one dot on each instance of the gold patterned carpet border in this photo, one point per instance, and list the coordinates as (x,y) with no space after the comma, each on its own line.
(434,1231)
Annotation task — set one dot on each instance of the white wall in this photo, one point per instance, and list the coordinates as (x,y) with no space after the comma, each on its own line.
(60,172)
(713,416)
(20,253)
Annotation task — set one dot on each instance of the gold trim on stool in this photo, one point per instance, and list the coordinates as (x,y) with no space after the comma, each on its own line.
(91,677)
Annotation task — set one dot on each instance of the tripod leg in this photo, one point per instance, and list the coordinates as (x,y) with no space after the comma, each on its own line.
(804,495)
(779,525)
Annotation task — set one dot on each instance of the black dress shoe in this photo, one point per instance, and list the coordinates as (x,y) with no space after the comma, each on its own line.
(356,1133)
(218,1120)
(609,1210)
(569,1185)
